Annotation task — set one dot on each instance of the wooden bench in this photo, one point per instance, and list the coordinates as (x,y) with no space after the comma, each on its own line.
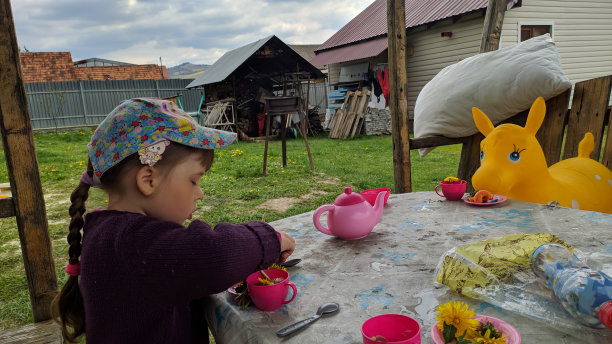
(560,133)
(44,332)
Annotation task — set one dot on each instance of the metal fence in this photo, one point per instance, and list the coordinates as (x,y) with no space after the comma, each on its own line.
(86,103)
(67,104)
(317,96)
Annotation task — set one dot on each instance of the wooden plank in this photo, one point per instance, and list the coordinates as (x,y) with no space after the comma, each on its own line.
(339,117)
(470,152)
(352,114)
(7,208)
(587,114)
(363,107)
(340,124)
(45,332)
(398,103)
(435,141)
(22,166)
(552,130)
(607,149)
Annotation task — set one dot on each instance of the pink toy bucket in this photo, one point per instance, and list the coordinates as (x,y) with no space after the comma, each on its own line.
(391,328)
(370,195)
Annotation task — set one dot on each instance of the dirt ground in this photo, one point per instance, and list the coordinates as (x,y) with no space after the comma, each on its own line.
(284,203)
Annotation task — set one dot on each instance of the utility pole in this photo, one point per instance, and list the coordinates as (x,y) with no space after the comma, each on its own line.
(398,103)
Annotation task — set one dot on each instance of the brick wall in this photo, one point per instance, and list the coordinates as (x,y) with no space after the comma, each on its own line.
(58,66)
(377,122)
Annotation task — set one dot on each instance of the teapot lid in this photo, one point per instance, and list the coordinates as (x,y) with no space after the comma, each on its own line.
(348,197)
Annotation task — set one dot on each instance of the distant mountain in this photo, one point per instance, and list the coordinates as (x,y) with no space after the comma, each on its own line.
(187,70)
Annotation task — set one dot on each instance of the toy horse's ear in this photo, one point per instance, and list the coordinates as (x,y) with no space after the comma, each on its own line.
(483,123)
(536,116)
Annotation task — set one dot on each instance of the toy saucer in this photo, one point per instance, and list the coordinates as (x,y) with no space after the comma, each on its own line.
(497,199)
(232,290)
(511,334)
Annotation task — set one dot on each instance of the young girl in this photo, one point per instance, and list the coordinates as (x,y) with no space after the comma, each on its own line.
(139,267)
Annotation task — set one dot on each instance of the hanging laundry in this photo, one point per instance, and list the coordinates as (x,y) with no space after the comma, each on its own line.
(383,80)
(377,88)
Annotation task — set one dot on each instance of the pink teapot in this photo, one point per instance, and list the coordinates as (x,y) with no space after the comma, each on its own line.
(351,216)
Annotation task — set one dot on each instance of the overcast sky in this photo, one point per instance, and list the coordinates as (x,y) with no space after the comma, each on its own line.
(196,31)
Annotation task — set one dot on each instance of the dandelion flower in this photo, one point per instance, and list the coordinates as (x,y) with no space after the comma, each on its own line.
(488,339)
(451,179)
(458,314)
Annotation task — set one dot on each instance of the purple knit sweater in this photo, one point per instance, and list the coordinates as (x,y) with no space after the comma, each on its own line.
(138,273)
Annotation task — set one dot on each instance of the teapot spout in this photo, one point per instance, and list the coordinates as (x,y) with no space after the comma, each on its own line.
(379,204)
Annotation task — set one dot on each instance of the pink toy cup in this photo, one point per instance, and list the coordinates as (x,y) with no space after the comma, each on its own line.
(452,191)
(391,328)
(269,298)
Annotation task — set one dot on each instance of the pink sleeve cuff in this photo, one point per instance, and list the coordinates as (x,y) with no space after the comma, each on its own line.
(280,238)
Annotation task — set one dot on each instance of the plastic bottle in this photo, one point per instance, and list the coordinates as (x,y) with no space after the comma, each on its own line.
(585,293)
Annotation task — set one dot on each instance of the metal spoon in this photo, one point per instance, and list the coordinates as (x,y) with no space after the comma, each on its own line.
(290,263)
(324,309)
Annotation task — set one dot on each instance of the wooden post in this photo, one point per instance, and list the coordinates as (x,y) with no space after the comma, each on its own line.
(398,104)
(491,32)
(22,166)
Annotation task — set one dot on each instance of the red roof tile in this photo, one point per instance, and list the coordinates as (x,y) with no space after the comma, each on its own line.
(372,22)
(58,66)
(351,52)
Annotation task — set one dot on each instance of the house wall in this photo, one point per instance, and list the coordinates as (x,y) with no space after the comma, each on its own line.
(582,31)
(431,52)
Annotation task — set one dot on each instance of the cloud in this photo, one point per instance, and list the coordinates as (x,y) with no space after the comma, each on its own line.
(196,31)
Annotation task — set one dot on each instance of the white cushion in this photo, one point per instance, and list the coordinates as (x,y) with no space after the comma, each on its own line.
(500,83)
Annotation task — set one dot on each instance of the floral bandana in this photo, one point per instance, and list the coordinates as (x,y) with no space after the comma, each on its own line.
(146,126)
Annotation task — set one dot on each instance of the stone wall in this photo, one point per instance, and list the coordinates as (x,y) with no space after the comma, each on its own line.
(377,122)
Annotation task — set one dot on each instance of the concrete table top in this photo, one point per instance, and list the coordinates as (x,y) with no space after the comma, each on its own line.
(392,270)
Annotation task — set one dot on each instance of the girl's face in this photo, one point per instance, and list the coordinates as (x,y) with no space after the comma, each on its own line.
(176,198)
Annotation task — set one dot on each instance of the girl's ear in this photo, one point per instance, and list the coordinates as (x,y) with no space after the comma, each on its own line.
(146,180)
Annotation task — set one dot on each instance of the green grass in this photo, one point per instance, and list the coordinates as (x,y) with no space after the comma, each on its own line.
(234,190)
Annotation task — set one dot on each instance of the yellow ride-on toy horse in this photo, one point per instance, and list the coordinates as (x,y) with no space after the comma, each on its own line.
(512,163)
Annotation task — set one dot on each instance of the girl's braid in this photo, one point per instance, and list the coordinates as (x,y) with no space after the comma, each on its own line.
(67,307)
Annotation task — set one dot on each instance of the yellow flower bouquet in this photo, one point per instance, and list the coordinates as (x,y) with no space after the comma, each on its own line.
(458,324)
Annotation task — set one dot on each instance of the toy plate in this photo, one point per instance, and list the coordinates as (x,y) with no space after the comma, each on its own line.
(511,334)
(232,290)
(500,199)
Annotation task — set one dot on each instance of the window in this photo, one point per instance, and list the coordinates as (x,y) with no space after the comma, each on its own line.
(529,31)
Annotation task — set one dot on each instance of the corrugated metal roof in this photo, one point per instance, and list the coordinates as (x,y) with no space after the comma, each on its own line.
(372,21)
(352,52)
(227,63)
(268,57)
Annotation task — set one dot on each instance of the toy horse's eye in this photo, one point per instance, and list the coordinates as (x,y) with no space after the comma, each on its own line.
(514,157)
(481,155)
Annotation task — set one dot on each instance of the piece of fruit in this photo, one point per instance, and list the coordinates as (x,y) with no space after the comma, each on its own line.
(483,196)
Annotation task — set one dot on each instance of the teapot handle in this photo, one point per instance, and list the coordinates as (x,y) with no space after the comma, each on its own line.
(317,215)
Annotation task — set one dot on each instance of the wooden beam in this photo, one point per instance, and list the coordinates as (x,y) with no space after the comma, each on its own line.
(396,34)
(22,166)
(491,32)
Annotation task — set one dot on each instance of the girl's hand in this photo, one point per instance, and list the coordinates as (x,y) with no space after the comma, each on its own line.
(287,245)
